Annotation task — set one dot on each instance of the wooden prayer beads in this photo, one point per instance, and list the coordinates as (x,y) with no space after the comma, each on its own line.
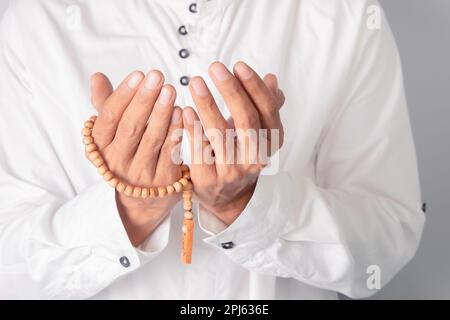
(183,185)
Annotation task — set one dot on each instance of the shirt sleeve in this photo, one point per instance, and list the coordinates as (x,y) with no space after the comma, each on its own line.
(68,244)
(362,210)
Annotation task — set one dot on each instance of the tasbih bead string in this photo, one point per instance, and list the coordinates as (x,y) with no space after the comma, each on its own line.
(183,185)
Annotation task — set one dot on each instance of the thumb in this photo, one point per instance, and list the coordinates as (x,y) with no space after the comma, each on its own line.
(101,89)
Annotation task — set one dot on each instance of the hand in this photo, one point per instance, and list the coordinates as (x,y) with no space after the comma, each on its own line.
(136,133)
(225,186)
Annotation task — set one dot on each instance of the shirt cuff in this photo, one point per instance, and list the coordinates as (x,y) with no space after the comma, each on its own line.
(96,223)
(156,243)
(255,229)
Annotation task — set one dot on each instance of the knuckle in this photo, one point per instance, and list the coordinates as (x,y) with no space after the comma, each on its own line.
(273,111)
(176,135)
(218,188)
(129,130)
(256,86)
(142,98)
(255,170)
(119,168)
(122,96)
(230,177)
(251,120)
(272,107)
(155,142)
(210,103)
(235,90)
(134,174)
(108,115)
(167,148)
(147,176)
(269,108)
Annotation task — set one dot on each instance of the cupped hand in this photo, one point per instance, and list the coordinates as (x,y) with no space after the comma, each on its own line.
(228,156)
(137,133)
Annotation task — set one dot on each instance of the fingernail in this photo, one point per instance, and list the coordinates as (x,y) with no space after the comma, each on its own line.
(189,117)
(199,87)
(243,70)
(134,79)
(165,96)
(176,117)
(220,72)
(152,80)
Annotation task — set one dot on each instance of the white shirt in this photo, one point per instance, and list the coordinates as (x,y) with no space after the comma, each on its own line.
(344,204)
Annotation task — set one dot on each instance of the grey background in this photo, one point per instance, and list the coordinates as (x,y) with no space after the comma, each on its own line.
(422,29)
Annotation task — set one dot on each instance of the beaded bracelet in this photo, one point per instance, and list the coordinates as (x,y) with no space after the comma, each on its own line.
(183,185)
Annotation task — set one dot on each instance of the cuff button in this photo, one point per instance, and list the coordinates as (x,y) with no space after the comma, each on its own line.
(124,262)
(227,245)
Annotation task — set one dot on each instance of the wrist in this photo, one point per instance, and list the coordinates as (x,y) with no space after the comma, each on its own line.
(139,219)
(230,211)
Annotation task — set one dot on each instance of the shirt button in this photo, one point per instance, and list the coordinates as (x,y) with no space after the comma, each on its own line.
(125,262)
(182,30)
(184,53)
(185,80)
(193,7)
(227,245)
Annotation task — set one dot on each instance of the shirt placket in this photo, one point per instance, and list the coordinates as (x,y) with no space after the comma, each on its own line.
(197,45)
(184,31)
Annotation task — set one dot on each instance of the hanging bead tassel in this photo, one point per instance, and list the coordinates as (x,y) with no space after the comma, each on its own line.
(188,223)
(183,185)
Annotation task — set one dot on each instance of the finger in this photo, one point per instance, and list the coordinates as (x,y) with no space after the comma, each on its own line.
(156,131)
(113,108)
(101,89)
(212,119)
(267,104)
(135,117)
(281,98)
(262,97)
(169,157)
(201,149)
(271,82)
(241,107)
